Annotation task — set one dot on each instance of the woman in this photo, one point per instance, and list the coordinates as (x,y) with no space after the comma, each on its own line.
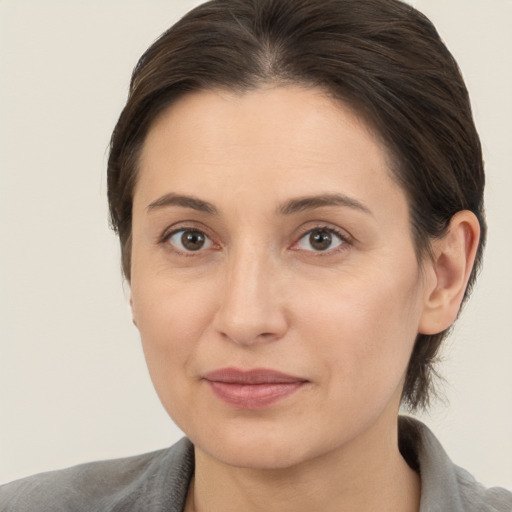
(298,191)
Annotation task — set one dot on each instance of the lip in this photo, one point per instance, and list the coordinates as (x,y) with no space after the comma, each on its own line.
(252,389)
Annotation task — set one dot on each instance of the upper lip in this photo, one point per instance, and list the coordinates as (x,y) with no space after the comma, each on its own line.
(252,376)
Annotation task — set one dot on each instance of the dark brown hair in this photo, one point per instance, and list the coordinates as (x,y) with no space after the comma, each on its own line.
(382,57)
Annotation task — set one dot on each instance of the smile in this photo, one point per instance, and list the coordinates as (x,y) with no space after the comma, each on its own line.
(253,389)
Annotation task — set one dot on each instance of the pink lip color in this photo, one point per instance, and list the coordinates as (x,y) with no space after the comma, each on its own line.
(253,389)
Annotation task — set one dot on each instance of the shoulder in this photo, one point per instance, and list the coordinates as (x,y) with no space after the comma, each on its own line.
(446,486)
(483,499)
(151,482)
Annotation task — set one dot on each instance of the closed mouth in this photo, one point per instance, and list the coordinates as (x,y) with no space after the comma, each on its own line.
(252,389)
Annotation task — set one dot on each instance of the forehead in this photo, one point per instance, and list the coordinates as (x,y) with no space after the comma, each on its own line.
(269,143)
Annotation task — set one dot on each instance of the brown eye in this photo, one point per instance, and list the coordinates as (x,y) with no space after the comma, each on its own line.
(319,240)
(190,240)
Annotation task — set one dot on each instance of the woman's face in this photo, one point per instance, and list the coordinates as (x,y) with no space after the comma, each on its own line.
(274,279)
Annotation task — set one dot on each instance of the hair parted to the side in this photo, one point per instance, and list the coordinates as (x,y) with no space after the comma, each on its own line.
(382,57)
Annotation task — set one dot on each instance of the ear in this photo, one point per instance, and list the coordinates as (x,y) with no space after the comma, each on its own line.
(449,271)
(133,312)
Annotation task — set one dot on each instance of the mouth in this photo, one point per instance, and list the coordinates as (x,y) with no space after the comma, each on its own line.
(252,389)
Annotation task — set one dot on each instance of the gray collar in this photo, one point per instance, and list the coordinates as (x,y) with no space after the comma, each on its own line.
(445,487)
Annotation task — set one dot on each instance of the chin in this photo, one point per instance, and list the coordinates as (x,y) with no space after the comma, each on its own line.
(265,455)
(259,446)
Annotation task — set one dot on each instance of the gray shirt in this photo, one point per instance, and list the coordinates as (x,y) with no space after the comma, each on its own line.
(158,482)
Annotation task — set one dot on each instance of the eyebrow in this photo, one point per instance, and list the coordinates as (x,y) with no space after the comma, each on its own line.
(290,207)
(318,201)
(172,199)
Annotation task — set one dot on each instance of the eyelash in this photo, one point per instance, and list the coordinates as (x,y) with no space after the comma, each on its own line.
(343,237)
(165,239)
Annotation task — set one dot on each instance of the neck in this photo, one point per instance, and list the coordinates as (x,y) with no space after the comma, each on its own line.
(368,475)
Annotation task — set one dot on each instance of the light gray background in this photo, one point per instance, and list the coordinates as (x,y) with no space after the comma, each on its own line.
(73,383)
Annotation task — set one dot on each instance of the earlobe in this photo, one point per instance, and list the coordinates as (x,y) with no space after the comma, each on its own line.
(453,259)
(133,312)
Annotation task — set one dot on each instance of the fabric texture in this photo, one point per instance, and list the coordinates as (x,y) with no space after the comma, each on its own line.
(158,482)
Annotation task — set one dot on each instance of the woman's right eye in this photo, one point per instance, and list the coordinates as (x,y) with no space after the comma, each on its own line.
(189,240)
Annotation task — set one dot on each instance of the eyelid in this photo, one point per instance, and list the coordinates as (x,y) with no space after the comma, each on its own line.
(183,225)
(207,239)
(345,238)
(169,232)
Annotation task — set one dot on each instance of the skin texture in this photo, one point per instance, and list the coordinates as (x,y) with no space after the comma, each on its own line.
(259,295)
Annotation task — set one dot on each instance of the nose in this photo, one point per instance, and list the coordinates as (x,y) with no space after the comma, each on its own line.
(251,308)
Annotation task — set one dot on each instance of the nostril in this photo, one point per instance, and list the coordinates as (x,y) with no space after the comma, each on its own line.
(249,336)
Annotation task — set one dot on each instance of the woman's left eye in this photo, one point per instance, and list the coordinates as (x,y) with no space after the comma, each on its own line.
(190,240)
(320,240)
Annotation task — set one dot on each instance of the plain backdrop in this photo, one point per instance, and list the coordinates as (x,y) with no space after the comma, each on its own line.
(73,382)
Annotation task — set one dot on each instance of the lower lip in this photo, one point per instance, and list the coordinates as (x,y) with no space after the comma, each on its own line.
(253,396)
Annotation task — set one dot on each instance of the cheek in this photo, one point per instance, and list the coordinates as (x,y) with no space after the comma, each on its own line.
(364,329)
(170,316)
